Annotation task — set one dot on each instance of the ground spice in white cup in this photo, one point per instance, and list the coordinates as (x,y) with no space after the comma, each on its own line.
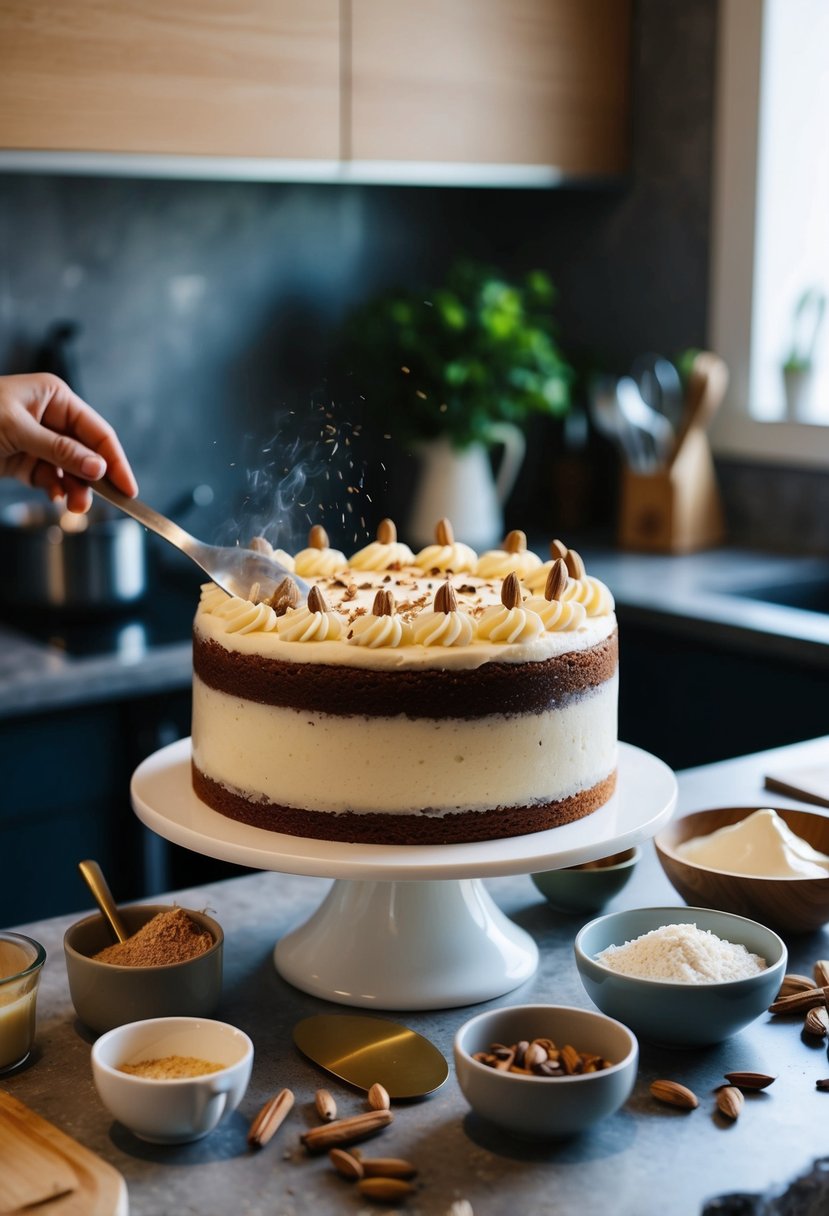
(170,937)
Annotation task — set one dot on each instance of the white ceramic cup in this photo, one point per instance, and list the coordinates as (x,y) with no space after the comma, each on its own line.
(172,1111)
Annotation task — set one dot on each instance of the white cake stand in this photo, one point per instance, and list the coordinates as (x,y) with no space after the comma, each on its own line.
(405,926)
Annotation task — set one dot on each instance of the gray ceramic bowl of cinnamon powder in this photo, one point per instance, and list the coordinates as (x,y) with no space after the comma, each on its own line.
(170,966)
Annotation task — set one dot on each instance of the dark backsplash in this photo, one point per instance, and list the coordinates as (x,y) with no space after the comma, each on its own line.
(207,308)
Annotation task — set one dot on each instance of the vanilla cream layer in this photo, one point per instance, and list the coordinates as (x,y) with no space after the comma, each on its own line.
(401,765)
(455,658)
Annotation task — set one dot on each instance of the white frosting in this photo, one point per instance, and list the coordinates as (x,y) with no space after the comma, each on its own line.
(301,625)
(443,629)
(456,558)
(498,563)
(399,764)
(762,845)
(319,563)
(380,631)
(557,616)
(590,592)
(378,556)
(500,624)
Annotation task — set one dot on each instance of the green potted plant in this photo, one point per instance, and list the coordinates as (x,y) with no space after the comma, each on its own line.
(797,366)
(454,371)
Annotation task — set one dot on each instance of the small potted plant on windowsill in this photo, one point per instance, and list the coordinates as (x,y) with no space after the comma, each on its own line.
(798,365)
(452,372)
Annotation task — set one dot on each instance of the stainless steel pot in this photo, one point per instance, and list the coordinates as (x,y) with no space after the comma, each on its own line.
(52,559)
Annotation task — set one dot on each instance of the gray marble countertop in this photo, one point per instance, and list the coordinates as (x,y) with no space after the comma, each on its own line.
(692,595)
(643,1161)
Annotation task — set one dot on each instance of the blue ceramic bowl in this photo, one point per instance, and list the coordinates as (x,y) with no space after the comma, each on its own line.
(546,1107)
(671,1013)
(579,890)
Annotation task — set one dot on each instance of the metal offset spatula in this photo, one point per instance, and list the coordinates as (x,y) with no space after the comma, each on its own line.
(236,571)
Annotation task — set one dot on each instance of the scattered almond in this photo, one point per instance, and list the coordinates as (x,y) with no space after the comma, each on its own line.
(817,1022)
(793,983)
(318,537)
(378,1098)
(800,1002)
(325,1104)
(385,1190)
(749,1080)
(558,549)
(346,1131)
(823,1085)
(535,1054)
(387,1167)
(822,972)
(674,1094)
(730,1101)
(346,1165)
(270,1118)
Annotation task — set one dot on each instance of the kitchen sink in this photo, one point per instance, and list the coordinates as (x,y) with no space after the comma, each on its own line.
(810,595)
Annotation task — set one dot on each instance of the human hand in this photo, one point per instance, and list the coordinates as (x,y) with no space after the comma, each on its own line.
(51,439)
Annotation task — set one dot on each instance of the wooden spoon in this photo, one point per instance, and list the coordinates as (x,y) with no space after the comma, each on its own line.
(707,386)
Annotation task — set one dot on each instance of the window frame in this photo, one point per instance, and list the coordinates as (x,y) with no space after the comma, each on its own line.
(735,433)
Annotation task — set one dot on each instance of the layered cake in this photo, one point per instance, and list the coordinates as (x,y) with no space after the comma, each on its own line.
(410,698)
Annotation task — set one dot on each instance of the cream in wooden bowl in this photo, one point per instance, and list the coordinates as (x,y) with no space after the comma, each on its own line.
(771,864)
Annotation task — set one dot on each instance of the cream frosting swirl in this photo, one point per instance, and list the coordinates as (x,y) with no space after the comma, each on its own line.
(303,625)
(590,592)
(455,557)
(379,556)
(502,624)
(212,597)
(238,615)
(319,563)
(536,579)
(380,631)
(443,629)
(557,617)
(498,563)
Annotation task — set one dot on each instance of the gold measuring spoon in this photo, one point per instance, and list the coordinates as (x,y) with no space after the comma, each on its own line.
(362,1050)
(93,876)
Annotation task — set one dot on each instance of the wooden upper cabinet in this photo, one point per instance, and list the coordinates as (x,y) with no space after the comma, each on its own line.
(522,82)
(253,78)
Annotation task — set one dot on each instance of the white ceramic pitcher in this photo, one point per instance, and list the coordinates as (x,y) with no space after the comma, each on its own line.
(458,483)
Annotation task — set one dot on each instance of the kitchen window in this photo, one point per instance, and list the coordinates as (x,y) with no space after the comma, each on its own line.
(770,248)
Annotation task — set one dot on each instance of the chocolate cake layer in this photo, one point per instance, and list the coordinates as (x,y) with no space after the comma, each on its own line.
(416,828)
(502,688)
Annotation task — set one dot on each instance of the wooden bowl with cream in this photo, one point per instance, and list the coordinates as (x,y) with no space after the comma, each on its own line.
(788,901)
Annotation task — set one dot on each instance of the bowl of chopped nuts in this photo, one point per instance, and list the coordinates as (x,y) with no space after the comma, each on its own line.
(545,1071)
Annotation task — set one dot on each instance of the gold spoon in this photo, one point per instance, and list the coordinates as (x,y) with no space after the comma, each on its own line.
(93,876)
(362,1050)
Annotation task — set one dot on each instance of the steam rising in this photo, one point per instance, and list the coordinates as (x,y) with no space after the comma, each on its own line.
(311,471)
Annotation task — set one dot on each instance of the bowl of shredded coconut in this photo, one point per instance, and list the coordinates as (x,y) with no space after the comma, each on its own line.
(682,977)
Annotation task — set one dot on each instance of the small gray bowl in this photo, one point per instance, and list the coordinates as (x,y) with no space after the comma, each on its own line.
(576,889)
(106,995)
(546,1107)
(673,1013)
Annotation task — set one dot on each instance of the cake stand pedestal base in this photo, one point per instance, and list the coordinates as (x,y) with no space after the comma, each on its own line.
(407,945)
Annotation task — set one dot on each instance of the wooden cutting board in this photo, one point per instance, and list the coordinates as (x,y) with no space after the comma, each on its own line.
(40,1165)
(809,783)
